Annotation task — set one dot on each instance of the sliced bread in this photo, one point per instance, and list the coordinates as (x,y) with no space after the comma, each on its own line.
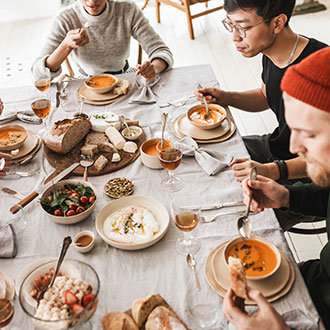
(118,321)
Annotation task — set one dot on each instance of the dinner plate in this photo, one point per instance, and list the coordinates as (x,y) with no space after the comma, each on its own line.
(268,286)
(27,270)
(158,210)
(32,153)
(179,134)
(208,269)
(202,134)
(87,93)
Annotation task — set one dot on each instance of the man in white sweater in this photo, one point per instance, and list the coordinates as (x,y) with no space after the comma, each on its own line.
(103,44)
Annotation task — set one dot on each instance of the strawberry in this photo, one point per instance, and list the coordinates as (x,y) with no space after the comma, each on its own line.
(76,308)
(70,298)
(87,299)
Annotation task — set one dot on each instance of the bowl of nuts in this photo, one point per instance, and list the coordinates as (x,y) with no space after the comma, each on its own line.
(118,187)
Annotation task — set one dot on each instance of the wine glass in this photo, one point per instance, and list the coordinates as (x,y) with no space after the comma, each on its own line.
(42,106)
(186,218)
(6,312)
(170,160)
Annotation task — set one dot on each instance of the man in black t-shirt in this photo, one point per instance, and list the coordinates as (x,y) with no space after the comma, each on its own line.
(263,27)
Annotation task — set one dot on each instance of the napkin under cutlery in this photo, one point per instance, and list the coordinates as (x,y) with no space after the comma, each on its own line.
(210,161)
(8,247)
(27,116)
(144,94)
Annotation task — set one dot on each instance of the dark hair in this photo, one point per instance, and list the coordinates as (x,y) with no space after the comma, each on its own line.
(264,8)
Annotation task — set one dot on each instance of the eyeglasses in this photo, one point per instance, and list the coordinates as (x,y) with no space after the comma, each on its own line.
(240,30)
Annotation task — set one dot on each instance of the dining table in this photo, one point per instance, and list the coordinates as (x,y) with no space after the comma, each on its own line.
(129,275)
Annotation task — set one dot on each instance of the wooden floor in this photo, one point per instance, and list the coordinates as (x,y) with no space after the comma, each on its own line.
(22,40)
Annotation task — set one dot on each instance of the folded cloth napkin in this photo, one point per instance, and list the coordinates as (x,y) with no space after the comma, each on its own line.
(26,116)
(210,161)
(144,94)
(7,242)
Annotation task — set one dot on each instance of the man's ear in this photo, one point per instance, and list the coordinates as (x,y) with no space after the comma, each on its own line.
(279,23)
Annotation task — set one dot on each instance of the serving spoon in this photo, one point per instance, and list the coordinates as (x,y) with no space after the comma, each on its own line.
(243,224)
(66,243)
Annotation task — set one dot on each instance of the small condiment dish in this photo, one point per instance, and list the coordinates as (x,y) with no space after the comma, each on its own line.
(132,133)
(84,241)
(260,251)
(196,116)
(102,83)
(150,154)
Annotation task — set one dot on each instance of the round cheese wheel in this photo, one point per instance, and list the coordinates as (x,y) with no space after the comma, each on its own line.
(101,121)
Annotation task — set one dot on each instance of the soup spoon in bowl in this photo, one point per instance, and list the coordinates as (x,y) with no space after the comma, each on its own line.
(243,224)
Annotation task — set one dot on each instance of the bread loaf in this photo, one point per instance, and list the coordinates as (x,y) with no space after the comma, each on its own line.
(96,138)
(162,318)
(118,321)
(66,134)
(141,308)
(237,277)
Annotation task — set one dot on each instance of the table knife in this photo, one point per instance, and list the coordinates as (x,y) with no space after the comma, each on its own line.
(12,192)
(14,209)
(213,206)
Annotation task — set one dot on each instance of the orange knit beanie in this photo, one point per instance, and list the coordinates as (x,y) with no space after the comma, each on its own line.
(309,80)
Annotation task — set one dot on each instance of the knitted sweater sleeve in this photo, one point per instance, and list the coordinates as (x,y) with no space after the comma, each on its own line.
(308,199)
(150,41)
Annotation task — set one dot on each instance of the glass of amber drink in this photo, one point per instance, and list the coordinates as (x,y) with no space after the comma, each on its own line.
(41,108)
(6,312)
(186,218)
(170,159)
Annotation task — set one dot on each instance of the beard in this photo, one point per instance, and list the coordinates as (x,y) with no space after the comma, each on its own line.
(317,172)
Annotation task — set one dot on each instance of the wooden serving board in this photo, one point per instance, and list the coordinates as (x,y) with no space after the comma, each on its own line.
(61,162)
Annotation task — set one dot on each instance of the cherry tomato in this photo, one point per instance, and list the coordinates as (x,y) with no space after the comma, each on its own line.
(91,199)
(72,207)
(84,200)
(80,209)
(58,213)
(70,213)
(75,194)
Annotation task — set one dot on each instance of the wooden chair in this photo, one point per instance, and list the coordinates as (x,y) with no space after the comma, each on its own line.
(307,231)
(184,5)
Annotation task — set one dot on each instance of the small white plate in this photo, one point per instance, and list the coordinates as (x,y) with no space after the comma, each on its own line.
(156,207)
(27,270)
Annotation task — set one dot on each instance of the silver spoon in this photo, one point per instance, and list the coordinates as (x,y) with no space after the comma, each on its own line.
(66,243)
(164,120)
(243,224)
(123,121)
(205,103)
(192,264)
(86,163)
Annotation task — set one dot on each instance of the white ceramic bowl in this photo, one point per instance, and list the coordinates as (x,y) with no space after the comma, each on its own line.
(15,145)
(87,248)
(64,220)
(207,126)
(151,161)
(133,134)
(107,87)
(157,208)
(262,240)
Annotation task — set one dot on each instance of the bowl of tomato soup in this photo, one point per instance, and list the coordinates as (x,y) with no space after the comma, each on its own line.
(260,257)
(197,116)
(102,83)
(150,153)
(12,137)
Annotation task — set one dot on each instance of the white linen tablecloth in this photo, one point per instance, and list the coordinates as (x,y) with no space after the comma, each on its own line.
(129,275)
